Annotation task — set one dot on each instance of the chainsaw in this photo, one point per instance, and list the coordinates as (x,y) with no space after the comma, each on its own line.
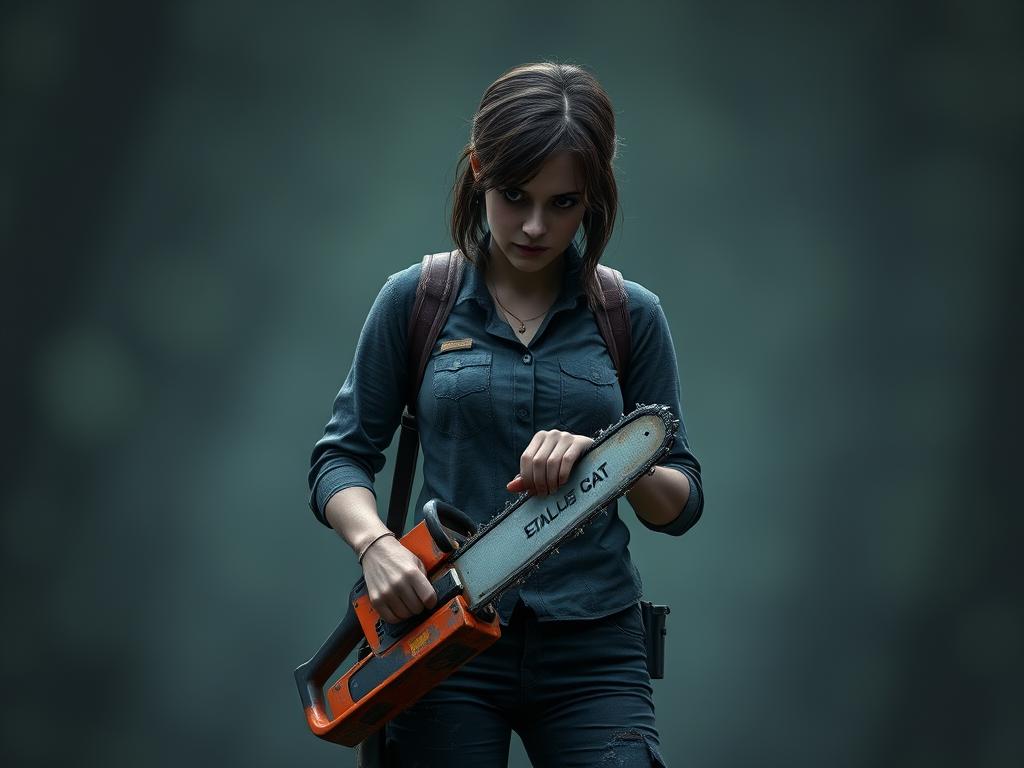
(469,567)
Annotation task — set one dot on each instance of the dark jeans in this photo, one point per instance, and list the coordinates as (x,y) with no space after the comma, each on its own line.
(577,693)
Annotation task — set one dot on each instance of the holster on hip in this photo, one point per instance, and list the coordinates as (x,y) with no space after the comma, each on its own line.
(654,635)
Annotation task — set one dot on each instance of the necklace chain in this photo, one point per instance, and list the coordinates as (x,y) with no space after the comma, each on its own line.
(522,323)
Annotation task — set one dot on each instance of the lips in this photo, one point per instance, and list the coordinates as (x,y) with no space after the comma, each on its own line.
(531,249)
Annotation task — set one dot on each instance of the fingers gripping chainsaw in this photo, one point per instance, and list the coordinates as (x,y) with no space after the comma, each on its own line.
(469,567)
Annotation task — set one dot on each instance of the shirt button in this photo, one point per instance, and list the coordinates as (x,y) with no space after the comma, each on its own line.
(522,413)
(527,358)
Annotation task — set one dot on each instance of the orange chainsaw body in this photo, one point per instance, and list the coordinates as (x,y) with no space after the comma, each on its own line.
(398,671)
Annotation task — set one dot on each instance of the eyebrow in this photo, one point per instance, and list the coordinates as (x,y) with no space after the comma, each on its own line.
(560,194)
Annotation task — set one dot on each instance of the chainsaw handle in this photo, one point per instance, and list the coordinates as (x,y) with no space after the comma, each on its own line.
(311,676)
(444,520)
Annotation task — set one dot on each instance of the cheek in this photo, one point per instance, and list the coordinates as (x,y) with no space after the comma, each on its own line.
(569,225)
(496,212)
(576,220)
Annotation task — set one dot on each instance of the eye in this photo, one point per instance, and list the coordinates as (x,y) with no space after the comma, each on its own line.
(514,195)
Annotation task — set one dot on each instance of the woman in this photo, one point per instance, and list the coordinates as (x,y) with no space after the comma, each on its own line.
(507,406)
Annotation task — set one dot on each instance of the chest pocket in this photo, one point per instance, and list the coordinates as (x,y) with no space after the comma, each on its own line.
(462,393)
(589,398)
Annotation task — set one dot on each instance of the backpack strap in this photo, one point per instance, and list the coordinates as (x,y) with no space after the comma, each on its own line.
(436,291)
(613,319)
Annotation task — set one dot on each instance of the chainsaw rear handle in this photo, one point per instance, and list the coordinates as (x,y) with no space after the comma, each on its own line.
(444,522)
(314,674)
(311,676)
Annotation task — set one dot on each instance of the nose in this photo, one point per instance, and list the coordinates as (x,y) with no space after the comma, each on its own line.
(534,226)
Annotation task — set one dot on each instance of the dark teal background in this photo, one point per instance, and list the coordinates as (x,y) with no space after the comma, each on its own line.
(199,201)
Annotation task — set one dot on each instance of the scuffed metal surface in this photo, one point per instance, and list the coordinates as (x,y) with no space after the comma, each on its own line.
(500,555)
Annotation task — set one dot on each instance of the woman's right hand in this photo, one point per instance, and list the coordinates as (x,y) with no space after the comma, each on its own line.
(396,581)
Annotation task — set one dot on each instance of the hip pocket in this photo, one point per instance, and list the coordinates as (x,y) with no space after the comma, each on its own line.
(629,622)
(462,393)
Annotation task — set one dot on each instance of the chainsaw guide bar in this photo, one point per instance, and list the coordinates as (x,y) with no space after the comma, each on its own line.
(513,544)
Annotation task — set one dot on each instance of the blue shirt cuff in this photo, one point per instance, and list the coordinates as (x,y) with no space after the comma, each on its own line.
(335,479)
(691,510)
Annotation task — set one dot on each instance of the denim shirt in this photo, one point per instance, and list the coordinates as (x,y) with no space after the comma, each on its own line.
(479,407)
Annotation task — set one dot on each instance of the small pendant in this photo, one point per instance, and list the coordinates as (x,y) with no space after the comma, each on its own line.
(522,327)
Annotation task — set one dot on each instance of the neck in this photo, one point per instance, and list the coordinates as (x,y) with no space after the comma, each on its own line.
(516,283)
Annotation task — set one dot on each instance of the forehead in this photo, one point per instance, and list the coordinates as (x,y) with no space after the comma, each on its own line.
(560,173)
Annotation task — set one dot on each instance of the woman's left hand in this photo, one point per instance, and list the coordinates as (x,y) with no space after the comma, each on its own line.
(547,461)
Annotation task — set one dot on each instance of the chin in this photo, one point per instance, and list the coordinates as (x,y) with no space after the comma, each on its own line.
(528,263)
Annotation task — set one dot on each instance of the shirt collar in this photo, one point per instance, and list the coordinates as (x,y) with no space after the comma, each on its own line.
(474,287)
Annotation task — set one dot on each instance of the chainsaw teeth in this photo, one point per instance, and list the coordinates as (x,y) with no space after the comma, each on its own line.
(518,579)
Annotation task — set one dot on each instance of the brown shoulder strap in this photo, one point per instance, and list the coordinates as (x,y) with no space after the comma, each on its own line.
(613,319)
(435,295)
(436,291)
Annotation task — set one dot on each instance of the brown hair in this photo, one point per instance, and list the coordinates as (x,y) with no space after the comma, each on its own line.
(527,114)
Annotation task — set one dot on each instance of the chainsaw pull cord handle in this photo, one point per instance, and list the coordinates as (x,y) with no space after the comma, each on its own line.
(311,676)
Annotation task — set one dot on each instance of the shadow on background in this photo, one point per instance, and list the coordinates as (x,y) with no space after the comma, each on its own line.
(200,200)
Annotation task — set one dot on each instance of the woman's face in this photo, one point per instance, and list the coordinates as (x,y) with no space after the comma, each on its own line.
(544,212)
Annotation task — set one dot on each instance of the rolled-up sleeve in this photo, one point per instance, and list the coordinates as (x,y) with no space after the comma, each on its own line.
(369,404)
(654,378)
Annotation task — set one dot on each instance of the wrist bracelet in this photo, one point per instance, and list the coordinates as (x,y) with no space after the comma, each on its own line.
(363,552)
